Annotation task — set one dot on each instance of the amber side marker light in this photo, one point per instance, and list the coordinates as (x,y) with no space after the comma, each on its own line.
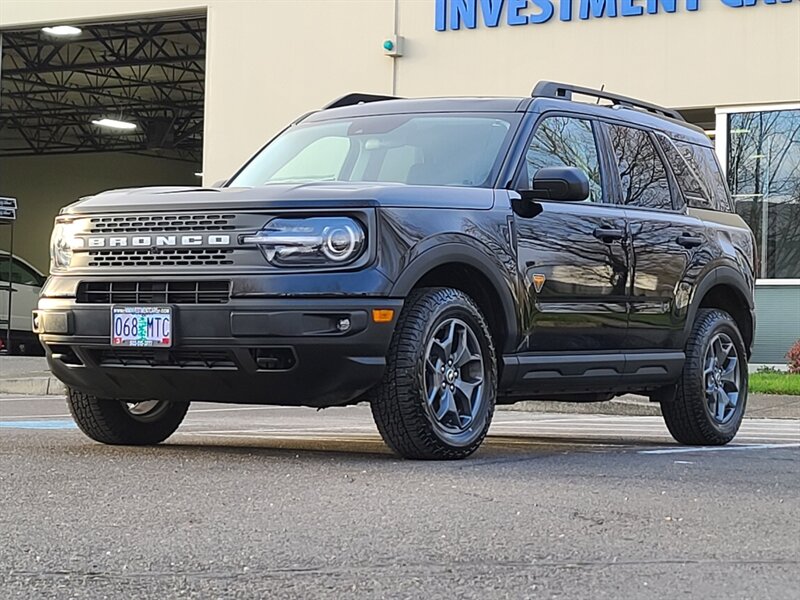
(382,315)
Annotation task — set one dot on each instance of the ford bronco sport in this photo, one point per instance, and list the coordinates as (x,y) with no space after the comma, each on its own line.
(434,257)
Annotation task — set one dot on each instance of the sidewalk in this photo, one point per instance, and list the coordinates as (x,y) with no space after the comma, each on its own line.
(29,376)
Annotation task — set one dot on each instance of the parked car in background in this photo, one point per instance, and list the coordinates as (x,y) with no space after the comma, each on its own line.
(23,287)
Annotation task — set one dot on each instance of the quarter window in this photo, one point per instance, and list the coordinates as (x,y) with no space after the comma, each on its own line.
(566,142)
(643,177)
(694,192)
(704,161)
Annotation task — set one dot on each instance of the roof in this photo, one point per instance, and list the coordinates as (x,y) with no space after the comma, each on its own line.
(673,127)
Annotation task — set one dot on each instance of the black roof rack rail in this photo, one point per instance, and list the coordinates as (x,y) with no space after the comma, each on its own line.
(564,91)
(351,99)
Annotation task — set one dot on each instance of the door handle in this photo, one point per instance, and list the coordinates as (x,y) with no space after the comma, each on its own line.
(687,240)
(608,235)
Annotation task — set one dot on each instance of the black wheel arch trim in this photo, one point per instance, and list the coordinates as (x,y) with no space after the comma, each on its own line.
(721,275)
(437,255)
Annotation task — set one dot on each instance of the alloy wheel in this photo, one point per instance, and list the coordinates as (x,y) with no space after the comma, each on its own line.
(145,410)
(722,378)
(454,376)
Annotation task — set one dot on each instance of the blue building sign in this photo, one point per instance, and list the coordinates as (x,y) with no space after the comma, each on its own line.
(455,14)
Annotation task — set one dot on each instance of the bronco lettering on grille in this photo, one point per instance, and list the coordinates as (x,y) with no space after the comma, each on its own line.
(152,241)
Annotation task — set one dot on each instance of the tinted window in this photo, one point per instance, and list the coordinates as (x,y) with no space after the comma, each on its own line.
(704,161)
(566,142)
(642,174)
(694,192)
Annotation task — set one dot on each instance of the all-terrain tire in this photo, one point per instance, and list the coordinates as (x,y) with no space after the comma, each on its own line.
(399,404)
(688,417)
(111,422)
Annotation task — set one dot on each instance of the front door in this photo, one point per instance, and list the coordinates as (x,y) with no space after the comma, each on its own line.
(572,255)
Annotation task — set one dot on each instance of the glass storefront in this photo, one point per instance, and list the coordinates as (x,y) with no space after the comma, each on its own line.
(763,169)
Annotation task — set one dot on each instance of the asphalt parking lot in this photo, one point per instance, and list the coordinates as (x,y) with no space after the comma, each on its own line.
(293,503)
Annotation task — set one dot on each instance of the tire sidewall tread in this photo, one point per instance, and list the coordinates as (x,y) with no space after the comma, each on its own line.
(398,404)
(108,422)
(687,417)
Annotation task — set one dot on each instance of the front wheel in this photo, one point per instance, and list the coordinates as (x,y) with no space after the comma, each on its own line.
(712,393)
(125,423)
(437,397)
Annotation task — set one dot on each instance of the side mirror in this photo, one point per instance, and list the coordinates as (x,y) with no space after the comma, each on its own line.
(566,184)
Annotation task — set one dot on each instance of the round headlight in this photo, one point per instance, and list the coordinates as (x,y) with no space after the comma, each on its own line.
(311,241)
(341,242)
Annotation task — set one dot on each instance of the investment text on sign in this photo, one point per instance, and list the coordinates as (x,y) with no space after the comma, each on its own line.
(455,14)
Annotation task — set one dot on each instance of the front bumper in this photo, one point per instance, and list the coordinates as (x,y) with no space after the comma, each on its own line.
(254,350)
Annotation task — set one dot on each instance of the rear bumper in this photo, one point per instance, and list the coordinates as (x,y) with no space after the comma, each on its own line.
(259,351)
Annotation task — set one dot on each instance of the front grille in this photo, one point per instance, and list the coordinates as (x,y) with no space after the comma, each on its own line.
(153,292)
(161,357)
(161,223)
(164,257)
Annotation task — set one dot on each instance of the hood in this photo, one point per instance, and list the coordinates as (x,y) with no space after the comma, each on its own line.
(282,196)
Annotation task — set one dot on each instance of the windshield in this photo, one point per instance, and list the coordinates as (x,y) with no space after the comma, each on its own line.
(419,149)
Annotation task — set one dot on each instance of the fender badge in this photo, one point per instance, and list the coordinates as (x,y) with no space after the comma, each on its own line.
(538,282)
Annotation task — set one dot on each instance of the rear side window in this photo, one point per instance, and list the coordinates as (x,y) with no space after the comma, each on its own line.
(566,142)
(642,174)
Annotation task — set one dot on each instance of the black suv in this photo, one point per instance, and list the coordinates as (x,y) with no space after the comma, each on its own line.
(434,257)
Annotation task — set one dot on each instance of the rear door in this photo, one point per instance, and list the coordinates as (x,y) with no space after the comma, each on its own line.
(666,243)
(572,255)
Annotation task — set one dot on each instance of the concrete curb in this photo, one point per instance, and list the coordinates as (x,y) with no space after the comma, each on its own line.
(32,386)
(619,406)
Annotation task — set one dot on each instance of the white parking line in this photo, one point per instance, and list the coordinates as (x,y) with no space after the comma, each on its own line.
(718,448)
(199,410)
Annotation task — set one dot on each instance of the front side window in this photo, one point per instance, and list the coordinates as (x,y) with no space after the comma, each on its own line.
(764,177)
(642,175)
(566,142)
(462,149)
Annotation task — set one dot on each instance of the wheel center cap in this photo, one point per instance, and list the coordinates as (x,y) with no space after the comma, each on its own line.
(450,375)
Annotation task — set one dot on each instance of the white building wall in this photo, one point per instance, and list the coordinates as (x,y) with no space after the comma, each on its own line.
(270,61)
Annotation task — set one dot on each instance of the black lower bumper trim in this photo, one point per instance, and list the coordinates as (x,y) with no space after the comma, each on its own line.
(216,359)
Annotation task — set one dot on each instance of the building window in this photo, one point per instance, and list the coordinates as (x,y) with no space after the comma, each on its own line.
(763,169)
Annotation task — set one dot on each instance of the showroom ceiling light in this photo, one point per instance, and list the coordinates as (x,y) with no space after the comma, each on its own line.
(114,124)
(62,30)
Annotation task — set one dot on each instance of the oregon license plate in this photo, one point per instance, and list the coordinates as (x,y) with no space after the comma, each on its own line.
(141,326)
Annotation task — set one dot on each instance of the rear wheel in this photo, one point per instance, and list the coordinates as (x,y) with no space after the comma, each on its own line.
(712,393)
(437,397)
(125,423)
